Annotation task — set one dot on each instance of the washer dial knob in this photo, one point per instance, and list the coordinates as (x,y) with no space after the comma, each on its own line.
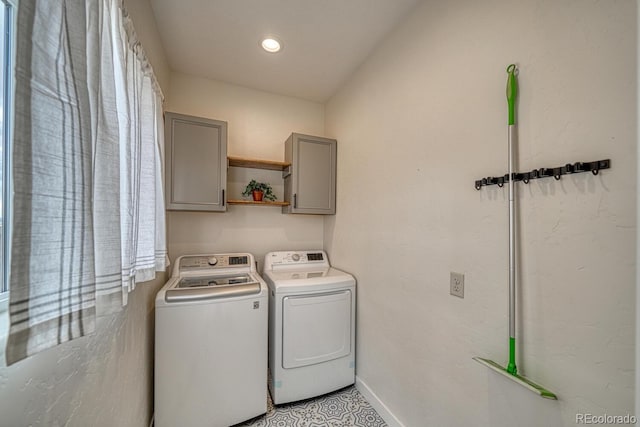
(212,260)
(295,257)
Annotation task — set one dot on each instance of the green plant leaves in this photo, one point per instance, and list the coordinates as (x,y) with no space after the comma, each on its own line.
(266,189)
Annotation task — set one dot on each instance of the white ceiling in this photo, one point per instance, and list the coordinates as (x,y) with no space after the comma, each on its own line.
(324,40)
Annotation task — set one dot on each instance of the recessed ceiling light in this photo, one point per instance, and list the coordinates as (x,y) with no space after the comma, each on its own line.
(271,45)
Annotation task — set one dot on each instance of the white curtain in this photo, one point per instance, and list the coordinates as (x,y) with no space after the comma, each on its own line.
(88,206)
(139,117)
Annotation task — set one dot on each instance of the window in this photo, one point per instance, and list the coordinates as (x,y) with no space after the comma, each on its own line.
(7,12)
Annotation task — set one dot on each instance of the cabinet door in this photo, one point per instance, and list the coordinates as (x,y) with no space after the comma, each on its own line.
(196,163)
(310,187)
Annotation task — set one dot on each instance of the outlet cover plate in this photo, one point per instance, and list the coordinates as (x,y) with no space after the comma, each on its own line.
(456,284)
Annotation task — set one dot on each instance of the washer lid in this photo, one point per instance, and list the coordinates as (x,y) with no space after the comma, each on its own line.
(212,287)
(198,282)
(309,280)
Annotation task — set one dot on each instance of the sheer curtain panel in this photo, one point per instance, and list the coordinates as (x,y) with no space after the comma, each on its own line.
(87,171)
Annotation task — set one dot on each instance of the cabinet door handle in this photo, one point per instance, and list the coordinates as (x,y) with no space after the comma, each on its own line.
(295,200)
(222,197)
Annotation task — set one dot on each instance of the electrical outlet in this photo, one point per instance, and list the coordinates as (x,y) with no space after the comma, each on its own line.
(456,284)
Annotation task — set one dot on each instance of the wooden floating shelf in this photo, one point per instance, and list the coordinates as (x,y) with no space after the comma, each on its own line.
(251,202)
(257,163)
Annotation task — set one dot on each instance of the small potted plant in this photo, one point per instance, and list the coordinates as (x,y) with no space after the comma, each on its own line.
(259,190)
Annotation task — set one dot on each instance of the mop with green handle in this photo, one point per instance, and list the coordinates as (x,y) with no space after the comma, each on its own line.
(511,371)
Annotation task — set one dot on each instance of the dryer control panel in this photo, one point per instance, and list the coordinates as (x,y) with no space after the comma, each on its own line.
(300,259)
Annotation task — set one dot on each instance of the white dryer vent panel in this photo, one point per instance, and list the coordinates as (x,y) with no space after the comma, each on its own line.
(316,328)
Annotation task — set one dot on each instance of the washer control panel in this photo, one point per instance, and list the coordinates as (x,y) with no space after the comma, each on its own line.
(293,258)
(207,262)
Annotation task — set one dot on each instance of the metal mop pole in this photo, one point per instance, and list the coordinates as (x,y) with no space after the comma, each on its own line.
(512,93)
(511,371)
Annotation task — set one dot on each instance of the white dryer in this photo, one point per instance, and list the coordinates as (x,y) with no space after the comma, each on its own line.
(211,343)
(311,325)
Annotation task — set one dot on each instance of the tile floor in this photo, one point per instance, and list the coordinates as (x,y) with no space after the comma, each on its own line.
(343,408)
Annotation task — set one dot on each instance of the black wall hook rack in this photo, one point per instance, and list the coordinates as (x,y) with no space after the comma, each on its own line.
(569,168)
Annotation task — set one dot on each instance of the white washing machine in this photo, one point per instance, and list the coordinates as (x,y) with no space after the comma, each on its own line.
(311,325)
(211,343)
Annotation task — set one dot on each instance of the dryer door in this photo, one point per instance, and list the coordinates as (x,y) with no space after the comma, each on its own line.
(315,328)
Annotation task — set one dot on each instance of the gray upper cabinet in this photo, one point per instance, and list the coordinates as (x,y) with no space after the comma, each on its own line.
(310,181)
(196,163)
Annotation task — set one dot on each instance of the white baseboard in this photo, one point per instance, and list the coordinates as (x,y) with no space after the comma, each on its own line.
(377,404)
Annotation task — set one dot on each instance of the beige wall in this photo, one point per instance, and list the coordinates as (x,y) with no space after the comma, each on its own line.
(421,120)
(105,379)
(258,124)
